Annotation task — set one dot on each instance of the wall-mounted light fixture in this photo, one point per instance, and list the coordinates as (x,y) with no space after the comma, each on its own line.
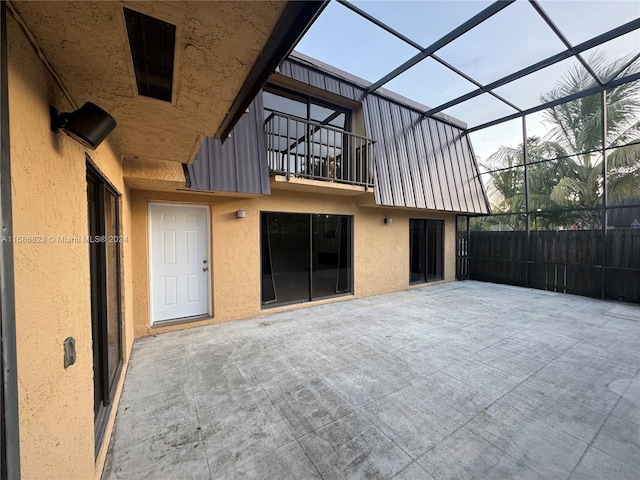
(241,213)
(388,220)
(89,124)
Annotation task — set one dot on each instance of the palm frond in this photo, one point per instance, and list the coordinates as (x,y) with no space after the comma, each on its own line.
(567,162)
(623,186)
(624,158)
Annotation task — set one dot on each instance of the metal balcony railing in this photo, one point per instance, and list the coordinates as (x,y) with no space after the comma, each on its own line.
(305,149)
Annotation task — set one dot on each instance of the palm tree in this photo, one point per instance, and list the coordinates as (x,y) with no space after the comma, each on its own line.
(577,136)
(575,180)
(506,188)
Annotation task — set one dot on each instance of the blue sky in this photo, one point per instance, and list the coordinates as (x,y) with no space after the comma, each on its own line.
(509,41)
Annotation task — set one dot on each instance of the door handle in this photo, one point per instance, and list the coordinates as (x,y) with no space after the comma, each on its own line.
(204,269)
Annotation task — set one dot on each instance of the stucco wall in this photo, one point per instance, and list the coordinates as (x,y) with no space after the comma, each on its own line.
(52,278)
(381,251)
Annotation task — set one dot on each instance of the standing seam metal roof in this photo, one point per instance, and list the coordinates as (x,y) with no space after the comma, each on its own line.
(240,164)
(420,161)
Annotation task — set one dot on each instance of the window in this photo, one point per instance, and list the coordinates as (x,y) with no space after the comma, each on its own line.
(104,259)
(305,257)
(310,138)
(426,250)
(278,100)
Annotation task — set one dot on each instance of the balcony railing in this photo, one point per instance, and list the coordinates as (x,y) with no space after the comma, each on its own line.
(305,149)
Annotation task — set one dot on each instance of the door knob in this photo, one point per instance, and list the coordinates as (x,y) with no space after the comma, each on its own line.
(204,269)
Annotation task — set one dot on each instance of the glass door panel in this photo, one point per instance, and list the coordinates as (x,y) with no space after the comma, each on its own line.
(331,272)
(435,250)
(288,251)
(426,250)
(305,257)
(417,256)
(112,253)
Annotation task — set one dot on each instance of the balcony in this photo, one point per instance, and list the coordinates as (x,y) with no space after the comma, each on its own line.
(304,149)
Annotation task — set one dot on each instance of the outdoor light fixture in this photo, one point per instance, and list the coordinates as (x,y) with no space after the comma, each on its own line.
(388,220)
(89,125)
(241,213)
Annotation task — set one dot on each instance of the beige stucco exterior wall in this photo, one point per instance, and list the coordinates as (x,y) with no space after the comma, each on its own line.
(381,251)
(51,278)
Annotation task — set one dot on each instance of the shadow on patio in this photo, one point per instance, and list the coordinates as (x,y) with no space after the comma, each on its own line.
(462,380)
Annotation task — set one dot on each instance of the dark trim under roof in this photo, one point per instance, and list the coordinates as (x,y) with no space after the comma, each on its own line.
(293,24)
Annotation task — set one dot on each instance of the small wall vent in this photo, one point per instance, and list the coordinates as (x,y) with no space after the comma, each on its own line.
(152,43)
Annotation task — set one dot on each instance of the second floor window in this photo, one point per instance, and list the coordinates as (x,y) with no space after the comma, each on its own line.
(305,108)
(310,138)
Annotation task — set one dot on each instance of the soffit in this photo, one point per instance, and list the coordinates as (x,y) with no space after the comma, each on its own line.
(217,44)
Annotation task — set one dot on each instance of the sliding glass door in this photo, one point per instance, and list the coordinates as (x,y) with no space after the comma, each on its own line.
(304,257)
(286,251)
(426,250)
(104,262)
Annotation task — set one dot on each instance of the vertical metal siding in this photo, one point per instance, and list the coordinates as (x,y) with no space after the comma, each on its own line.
(317,79)
(446,165)
(332,85)
(450,166)
(300,73)
(457,143)
(222,171)
(309,75)
(412,157)
(285,68)
(468,179)
(421,160)
(349,91)
(247,173)
(480,200)
(437,164)
(263,163)
(391,157)
(456,167)
(418,162)
(479,186)
(464,172)
(430,163)
(403,157)
(373,123)
(240,164)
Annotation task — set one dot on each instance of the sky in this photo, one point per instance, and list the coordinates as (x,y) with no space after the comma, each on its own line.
(510,40)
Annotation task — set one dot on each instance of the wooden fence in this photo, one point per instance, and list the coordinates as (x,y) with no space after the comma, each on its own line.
(568,261)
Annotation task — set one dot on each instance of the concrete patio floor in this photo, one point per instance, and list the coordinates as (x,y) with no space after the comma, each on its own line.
(456,381)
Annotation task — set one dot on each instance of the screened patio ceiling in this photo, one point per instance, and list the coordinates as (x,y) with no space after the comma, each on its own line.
(485,63)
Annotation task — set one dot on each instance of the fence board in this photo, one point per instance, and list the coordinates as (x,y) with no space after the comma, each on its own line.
(563,261)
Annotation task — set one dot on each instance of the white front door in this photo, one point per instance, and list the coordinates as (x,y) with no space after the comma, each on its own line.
(179,261)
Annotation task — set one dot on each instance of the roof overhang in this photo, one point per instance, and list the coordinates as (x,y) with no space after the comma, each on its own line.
(224,52)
